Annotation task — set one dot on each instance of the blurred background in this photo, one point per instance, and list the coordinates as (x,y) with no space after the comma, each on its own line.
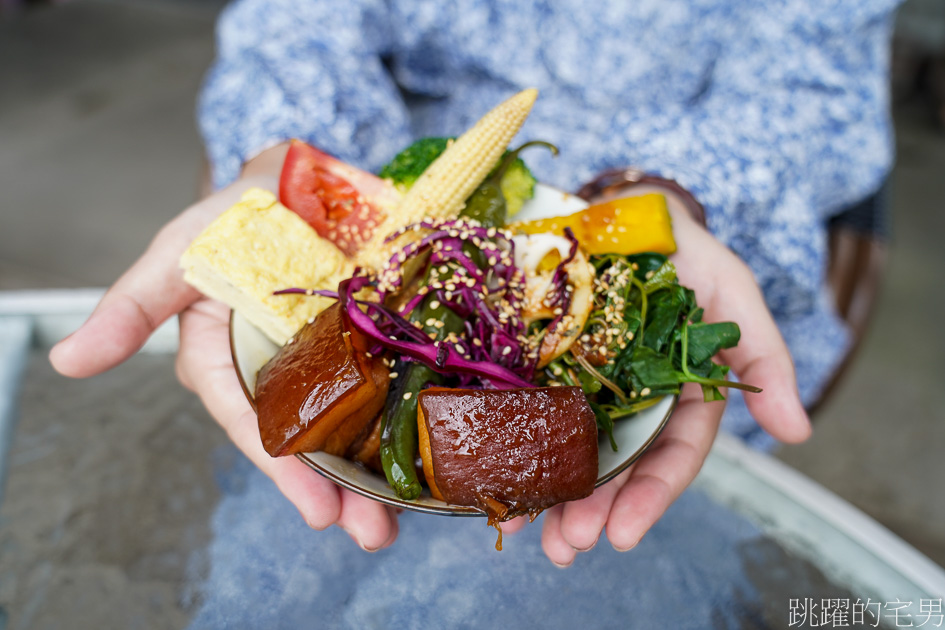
(98,149)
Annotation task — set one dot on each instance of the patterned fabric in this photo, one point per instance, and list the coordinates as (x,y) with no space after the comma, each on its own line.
(774,114)
(701,566)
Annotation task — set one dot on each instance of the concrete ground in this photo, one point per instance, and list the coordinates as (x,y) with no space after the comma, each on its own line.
(98,148)
(878,442)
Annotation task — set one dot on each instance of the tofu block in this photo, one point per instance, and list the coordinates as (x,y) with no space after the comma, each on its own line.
(258,247)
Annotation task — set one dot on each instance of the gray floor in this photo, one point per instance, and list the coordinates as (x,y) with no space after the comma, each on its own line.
(98,144)
(879,441)
(98,149)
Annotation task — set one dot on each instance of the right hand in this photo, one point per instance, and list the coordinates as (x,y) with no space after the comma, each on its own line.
(152,290)
(627,507)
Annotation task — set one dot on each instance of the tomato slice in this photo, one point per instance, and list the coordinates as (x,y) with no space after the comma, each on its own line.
(342,203)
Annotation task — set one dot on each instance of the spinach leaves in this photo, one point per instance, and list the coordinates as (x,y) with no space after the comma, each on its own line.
(643,340)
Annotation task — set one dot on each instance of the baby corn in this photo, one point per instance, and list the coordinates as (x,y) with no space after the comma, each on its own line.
(444,187)
(441,191)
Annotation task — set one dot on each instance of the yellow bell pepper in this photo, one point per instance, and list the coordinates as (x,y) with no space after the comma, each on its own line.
(629,225)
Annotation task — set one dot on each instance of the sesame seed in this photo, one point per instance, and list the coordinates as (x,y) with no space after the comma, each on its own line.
(507,351)
(394,374)
(408,395)
(645,391)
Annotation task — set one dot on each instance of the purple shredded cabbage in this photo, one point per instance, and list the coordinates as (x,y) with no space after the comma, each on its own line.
(495,350)
(439,355)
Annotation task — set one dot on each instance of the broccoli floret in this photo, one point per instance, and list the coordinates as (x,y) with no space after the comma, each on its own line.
(518,186)
(410,163)
(518,183)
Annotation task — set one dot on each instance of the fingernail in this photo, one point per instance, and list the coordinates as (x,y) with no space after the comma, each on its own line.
(358,542)
(588,548)
(625,549)
(562,566)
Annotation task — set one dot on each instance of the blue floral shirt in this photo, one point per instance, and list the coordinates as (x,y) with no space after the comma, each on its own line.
(773,114)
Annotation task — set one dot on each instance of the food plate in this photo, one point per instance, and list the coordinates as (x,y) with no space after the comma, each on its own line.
(251,350)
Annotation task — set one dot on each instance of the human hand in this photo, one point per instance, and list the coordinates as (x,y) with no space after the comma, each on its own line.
(153,290)
(630,504)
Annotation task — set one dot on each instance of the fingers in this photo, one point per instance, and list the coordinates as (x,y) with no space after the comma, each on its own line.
(630,504)
(576,526)
(726,288)
(317,499)
(206,366)
(778,409)
(371,525)
(552,542)
(148,293)
(514,525)
(665,470)
(761,358)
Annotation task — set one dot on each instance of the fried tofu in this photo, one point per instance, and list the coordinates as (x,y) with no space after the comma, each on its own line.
(258,247)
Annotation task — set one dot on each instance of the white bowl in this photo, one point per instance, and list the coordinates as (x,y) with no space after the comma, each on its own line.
(252,349)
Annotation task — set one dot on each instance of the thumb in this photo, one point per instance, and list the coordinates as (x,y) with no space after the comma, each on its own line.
(152,290)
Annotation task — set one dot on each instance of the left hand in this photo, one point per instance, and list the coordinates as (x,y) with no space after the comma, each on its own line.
(153,290)
(630,504)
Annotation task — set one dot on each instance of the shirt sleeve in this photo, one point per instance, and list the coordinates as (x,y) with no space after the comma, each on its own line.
(791,127)
(289,69)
